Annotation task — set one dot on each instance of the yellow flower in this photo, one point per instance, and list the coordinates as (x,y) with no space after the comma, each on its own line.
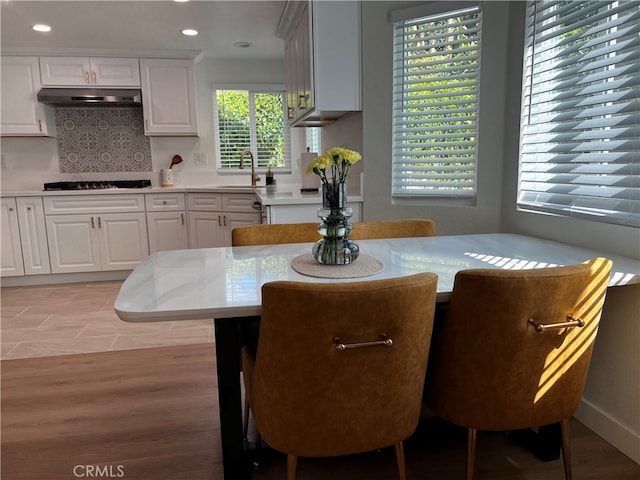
(333,165)
(320,163)
(350,156)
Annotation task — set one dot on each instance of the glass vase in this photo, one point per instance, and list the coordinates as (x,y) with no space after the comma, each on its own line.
(335,247)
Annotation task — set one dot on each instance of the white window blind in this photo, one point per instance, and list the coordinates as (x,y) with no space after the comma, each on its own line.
(251,120)
(580,126)
(436,78)
(313,135)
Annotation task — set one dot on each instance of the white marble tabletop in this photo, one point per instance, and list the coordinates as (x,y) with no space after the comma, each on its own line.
(225,282)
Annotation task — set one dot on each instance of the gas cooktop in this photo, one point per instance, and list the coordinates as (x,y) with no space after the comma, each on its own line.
(98,185)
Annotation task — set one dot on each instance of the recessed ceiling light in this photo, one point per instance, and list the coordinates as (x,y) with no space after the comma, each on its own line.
(41,27)
(243,44)
(180,1)
(190,32)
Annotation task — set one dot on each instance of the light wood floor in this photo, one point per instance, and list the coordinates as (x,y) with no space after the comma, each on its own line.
(50,320)
(151,414)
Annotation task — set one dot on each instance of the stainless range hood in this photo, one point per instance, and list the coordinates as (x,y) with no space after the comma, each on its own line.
(117,97)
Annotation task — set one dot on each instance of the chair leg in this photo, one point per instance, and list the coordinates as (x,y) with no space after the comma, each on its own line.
(566,449)
(292,464)
(402,472)
(472,436)
(245,420)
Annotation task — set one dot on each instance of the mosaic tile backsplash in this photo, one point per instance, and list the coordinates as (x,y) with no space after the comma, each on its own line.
(102,139)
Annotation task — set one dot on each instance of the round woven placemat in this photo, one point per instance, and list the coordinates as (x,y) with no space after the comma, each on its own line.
(364,266)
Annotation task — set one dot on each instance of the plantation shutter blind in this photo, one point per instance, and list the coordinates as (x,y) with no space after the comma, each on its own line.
(234,130)
(436,75)
(580,126)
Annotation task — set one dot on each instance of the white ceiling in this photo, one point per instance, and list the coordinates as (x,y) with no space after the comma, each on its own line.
(139,28)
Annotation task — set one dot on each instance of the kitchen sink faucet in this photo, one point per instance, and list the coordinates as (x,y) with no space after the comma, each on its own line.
(254,178)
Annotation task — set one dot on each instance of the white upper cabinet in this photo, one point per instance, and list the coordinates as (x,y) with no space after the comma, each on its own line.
(169,98)
(322,60)
(96,71)
(21,114)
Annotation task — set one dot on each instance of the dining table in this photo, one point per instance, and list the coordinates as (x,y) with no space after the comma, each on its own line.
(224,284)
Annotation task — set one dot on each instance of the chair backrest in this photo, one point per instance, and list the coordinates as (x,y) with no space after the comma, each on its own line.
(491,370)
(311,399)
(392,229)
(271,234)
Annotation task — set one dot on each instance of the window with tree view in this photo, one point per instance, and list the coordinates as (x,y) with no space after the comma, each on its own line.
(436,79)
(251,120)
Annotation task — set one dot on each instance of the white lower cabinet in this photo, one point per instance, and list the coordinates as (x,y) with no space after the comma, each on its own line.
(99,240)
(166,221)
(304,213)
(212,216)
(167,231)
(11,250)
(90,243)
(203,229)
(33,235)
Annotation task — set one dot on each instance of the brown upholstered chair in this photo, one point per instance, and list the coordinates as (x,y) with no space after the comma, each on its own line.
(392,229)
(271,234)
(312,397)
(268,234)
(498,362)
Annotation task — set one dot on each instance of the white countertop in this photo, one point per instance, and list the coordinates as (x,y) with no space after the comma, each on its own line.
(268,195)
(291,195)
(225,282)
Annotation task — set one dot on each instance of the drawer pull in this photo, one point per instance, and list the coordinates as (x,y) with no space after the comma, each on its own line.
(93,225)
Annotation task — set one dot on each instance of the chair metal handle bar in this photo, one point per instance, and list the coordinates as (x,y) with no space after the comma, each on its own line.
(383,342)
(570,323)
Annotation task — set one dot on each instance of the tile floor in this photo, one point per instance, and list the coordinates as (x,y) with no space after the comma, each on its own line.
(48,320)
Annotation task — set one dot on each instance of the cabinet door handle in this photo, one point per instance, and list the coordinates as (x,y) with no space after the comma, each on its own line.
(146,124)
(86,77)
(93,225)
(99,222)
(40,125)
(11,209)
(182,217)
(225,220)
(93,77)
(219,220)
(28,209)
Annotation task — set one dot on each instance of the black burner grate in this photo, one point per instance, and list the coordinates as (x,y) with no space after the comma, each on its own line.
(98,185)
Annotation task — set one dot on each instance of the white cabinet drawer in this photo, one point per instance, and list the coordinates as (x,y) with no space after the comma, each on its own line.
(239,202)
(162,202)
(204,202)
(93,204)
